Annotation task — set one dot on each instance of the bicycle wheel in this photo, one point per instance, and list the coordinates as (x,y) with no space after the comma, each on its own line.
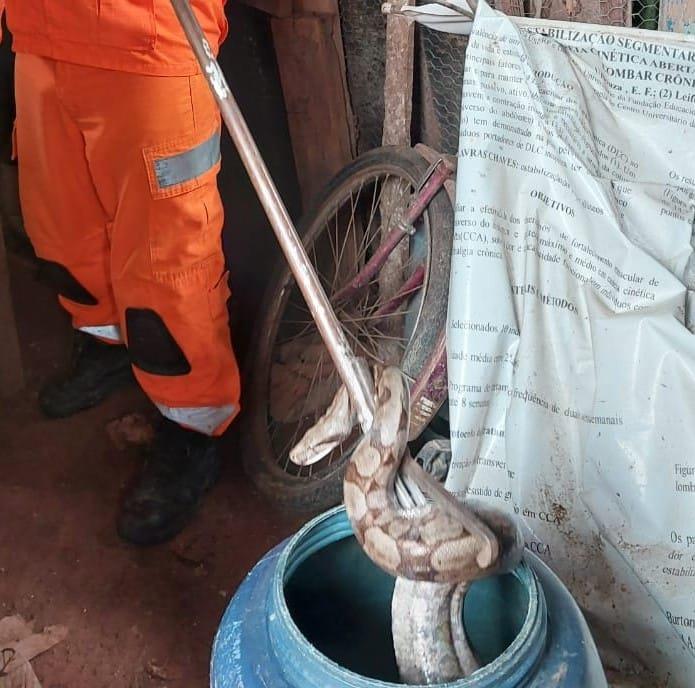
(291,379)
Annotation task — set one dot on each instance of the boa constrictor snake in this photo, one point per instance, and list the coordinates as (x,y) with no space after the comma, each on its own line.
(434,547)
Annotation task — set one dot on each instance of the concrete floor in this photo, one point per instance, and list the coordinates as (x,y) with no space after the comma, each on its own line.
(60,559)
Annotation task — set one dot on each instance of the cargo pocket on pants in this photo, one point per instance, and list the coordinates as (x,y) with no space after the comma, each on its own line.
(185,217)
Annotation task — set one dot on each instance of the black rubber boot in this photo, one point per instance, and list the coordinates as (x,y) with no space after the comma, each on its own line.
(180,466)
(97,369)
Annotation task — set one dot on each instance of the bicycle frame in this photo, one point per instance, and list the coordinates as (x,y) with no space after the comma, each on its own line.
(437,175)
(430,389)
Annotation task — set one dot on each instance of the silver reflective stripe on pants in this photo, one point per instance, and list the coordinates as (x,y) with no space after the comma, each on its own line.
(184,167)
(110,332)
(205,419)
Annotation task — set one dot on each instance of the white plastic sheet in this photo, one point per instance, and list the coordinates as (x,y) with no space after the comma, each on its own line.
(572,368)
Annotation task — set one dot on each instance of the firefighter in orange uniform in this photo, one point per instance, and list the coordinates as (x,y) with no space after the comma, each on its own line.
(118,145)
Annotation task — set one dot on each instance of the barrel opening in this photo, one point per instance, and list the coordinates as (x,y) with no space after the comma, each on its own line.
(341,603)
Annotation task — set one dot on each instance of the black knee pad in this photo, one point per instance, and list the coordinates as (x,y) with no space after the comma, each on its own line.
(64,282)
(151,346)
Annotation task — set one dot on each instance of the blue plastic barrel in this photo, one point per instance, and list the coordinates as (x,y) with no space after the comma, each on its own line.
(315,612)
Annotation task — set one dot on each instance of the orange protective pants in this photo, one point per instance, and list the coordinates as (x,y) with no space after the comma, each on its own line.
(118,185)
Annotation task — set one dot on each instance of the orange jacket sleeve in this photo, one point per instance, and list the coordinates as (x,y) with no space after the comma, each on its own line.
(2,11)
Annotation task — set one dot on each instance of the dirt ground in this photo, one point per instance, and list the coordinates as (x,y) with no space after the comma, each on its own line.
(134,615)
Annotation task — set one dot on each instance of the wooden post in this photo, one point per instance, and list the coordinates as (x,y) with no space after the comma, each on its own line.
(11,372)
(398,111)
(311,62)
(398,86)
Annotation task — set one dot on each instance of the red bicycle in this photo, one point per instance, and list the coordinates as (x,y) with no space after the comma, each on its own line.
(380,239)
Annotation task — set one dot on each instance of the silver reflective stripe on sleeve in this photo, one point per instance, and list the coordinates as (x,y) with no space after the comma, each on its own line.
(184,167)
(205,419)
(110,332)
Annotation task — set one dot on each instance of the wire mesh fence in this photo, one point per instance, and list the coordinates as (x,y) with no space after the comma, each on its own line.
(645,14)
(441,81)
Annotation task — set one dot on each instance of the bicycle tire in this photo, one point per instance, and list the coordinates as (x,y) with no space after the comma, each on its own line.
(260,463)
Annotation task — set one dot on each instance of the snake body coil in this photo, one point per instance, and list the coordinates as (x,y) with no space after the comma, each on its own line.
(434,549)
(421,544)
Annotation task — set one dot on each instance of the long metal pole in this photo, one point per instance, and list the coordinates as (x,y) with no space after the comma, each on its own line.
(355,376)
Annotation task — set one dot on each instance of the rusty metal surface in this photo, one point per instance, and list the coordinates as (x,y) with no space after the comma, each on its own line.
(430,389)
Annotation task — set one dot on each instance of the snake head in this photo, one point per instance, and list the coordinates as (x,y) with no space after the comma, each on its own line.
(331,429)
(510,540)
(334,426)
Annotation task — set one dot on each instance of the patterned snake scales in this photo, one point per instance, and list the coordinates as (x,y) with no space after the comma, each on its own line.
(434,547)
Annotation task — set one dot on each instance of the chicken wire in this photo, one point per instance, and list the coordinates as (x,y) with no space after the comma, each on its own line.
(439,61)
(645,15)
(441,81)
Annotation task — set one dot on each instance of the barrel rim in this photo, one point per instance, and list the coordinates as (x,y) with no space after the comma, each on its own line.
(514,664)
